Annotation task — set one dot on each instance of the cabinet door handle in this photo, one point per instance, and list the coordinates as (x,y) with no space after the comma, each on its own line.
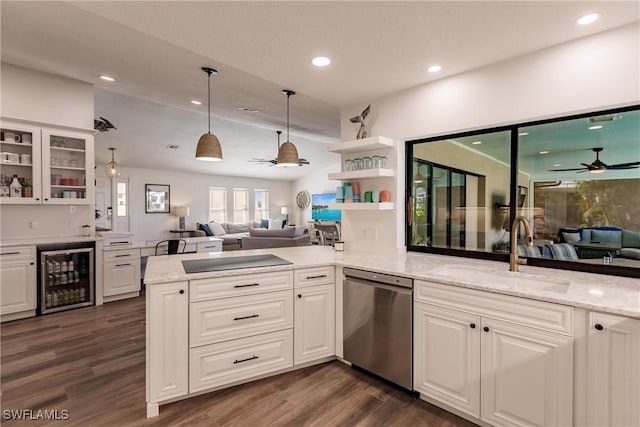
(181,291)
(31,263)
(245,360)
(46,200)
(316,277)
(299,295)
(598,326)
(122,265)
(486,329)
(10,253)
(37,199)
(472,325)
(246,317)
(247,285)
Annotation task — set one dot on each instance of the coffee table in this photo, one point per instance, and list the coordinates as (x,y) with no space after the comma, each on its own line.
(595,249)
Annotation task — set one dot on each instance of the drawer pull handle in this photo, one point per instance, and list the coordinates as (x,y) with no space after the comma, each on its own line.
(10,253)
(244,286)
(246,317)
(123,265)
(245,360)
(486,329)
(472,325)
(121,242)
(599,327)
(120,256)
(181,291)
(316,277)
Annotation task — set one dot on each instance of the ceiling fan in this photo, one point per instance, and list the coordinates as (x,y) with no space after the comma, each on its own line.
(273,161)
(598,166)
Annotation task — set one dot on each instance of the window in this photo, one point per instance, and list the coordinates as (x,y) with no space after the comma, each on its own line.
(121,199)
(240,205)
(575,179)
(217,204)
(261,210)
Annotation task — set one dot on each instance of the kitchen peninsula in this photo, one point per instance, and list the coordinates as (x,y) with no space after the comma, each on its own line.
(212,330)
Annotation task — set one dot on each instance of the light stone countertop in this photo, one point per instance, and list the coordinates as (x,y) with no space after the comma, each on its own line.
(609,294)
(46,241)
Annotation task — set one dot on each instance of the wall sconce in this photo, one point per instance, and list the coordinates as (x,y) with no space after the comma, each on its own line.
(182,212)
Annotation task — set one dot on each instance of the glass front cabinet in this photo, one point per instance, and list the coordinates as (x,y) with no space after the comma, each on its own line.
(51,166)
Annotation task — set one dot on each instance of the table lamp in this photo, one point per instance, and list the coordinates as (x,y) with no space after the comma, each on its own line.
(181,211)
(285,212)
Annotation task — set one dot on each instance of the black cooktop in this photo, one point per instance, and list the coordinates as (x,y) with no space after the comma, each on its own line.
(232,263)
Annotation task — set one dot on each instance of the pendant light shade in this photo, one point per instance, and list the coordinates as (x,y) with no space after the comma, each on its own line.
(209,148)
(112,168)
(288,153)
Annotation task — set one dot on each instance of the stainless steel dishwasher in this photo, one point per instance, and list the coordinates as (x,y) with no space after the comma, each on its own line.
(378,324)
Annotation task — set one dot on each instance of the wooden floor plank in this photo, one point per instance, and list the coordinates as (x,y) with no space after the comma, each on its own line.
(91,363)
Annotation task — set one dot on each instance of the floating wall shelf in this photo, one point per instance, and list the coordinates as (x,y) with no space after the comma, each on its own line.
(361,174)
(371,143)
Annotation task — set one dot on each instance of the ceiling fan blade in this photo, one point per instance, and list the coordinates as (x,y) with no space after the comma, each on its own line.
(567,170)
(588,166)
(616,167)
(624,165)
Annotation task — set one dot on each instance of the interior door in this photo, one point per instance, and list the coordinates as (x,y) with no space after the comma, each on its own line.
(103,202)
(121,204)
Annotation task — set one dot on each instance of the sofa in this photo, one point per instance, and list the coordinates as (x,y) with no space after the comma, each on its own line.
(251,236)
(622,243)
(260,238)
(229,233)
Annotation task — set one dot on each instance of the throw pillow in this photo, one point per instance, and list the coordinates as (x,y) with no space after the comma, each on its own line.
(282,232)
(217,229)
(571,237)
(606,236)
(275,224)
(264,223)
(206,229)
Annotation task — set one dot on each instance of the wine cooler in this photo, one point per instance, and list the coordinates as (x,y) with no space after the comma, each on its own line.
(65,276)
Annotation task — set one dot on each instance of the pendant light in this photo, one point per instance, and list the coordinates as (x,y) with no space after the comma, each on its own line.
(112,168)
(418,178)
(287,153)
(209,145)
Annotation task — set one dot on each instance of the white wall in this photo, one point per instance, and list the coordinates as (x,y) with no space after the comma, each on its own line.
(589,74)
(44,99)
(191,190)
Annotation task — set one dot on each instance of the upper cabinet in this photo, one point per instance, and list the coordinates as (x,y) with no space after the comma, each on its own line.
(54,166)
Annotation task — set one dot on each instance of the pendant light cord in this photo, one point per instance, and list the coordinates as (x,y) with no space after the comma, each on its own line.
(288,96)
(209,98)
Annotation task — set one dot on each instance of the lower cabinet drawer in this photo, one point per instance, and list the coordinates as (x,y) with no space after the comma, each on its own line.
(224,363)
(230,318)
(209,247)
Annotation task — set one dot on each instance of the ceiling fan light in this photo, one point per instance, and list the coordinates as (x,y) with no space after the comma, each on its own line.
(287,155)
(597,171)
(209,149)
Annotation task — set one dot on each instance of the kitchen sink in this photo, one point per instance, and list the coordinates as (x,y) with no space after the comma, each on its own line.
(483,276)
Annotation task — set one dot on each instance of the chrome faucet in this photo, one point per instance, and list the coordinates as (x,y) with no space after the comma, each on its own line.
(513,257)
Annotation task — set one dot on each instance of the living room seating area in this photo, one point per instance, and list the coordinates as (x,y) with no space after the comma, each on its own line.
(256,235)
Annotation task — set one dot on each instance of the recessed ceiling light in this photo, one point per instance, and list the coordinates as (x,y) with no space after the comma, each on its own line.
(476,142)
(544,152)
(434,68)
(196,102)
(588,19)
(107,78)
(523,133)
(595,127)
(557,164)
(321,61)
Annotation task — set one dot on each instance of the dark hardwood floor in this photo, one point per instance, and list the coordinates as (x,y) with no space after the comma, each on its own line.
(91,363)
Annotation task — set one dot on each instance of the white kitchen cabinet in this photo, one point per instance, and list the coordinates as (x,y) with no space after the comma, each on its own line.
(447,356)
(613,371)
(167,343)
(121,274)
(314,323)
(494,357)
(526,375)
(17,282)
(59,164)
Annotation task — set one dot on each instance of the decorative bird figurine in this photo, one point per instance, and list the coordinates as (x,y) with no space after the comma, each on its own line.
(102,125)
(362,132)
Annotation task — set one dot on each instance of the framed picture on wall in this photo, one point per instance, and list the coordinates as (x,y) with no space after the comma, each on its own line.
(157,198)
